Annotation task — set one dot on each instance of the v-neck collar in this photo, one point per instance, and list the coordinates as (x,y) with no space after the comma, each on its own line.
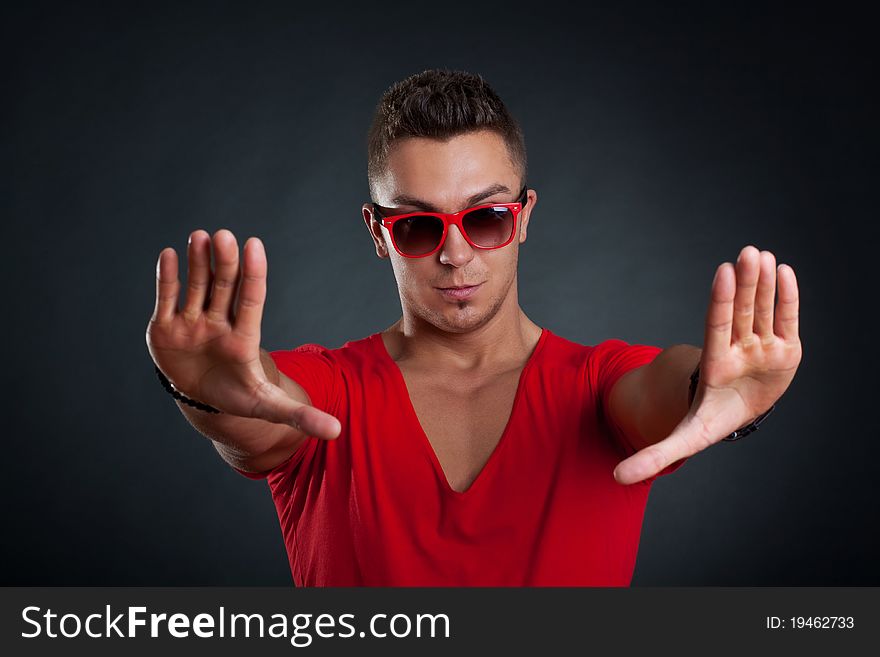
(423,437)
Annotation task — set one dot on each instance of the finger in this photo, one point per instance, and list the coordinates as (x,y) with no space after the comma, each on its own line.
(276,406)
(719,317)
(225,276)
(315,422)
(167,286)
(644,464)
(786,323)
(747,270)
(764,298)
(252,295)
(685,440)
(198,273)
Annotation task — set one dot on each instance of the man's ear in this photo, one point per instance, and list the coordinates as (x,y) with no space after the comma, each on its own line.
(526,213)
(375,231)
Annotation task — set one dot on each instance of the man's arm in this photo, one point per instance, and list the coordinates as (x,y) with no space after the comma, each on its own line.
(750,353)
(648,402)
(209,350)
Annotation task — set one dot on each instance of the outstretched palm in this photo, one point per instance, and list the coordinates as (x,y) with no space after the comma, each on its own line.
(210,349)
(750,354)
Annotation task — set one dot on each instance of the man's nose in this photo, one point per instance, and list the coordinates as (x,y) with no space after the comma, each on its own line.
(456,250)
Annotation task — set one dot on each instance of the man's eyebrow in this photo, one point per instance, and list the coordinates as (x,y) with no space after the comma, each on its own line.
(491,190)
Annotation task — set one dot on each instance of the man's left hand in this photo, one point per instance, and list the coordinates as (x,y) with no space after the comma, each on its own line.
(750,354)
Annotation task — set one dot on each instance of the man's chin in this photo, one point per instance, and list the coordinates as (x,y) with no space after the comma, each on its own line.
(461,320)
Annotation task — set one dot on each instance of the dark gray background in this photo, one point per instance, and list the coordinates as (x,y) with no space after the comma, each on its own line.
(660,142)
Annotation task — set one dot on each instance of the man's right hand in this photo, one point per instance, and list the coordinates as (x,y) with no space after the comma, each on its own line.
(210,349)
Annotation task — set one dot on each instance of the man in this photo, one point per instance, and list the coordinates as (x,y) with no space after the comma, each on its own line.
(465,444)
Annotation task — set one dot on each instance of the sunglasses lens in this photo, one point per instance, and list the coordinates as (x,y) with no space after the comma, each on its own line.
(489,227)
(417,236)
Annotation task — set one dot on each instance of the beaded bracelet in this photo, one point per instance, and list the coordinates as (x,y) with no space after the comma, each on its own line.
(186,400)
(742,431)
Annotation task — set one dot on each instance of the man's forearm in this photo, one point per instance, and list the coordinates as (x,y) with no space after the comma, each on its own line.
(649,402)
(666,383)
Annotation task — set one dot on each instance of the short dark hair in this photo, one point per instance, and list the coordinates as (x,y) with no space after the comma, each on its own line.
(440,104)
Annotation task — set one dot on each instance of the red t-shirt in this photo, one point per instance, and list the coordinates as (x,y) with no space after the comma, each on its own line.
(373,507)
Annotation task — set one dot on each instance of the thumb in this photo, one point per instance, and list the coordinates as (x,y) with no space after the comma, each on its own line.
(276,406)
(643,464)
(688,438)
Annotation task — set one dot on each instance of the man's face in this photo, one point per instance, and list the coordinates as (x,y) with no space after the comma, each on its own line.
(432,175)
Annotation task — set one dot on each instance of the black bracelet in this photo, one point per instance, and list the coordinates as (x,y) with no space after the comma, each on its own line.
(742,431)
(186,400)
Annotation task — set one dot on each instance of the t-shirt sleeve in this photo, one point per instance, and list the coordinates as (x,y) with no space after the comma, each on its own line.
(315,369)
(608,361)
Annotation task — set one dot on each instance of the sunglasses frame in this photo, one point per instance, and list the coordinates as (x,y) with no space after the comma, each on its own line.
(454,219)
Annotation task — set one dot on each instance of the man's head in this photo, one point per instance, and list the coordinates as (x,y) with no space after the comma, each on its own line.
(439,104)
(443,141)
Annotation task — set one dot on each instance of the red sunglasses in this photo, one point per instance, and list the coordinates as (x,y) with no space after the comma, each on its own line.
(420,234)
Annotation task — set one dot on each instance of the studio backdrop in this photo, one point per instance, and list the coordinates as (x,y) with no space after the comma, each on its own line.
(660,142)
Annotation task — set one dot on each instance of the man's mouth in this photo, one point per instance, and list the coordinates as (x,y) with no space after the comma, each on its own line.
(459,291)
